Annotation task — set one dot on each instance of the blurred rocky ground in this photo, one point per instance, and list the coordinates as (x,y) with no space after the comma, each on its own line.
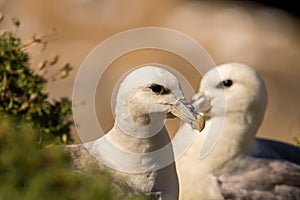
(264,37)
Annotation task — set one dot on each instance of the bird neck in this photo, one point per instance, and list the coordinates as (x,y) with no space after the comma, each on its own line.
(236,139)
(242,127)
(130,143)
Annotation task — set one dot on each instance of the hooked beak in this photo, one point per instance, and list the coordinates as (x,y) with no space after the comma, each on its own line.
(201,103)
(185,111)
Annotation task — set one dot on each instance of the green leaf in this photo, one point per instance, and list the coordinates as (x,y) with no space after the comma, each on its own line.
(51,119)
(11,103)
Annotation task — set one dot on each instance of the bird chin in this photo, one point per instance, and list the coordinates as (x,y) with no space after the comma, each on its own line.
(205,107)
(205,110)
(207,116)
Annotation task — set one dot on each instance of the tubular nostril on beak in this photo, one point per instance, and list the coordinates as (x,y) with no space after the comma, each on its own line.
(190,107)
(187,104)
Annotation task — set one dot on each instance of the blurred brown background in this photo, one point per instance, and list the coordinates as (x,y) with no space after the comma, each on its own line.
(262,36)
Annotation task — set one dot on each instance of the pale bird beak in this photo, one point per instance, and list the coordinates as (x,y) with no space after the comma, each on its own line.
(185,111)
(201,103)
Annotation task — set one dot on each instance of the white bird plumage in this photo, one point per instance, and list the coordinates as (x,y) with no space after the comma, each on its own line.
(146,96)
(236,93)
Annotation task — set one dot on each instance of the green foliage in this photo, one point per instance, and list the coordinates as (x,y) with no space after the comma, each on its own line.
(23,95)
(29,167)
(28,171)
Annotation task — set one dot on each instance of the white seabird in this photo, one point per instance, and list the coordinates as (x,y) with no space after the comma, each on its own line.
(138,147)
(234,95)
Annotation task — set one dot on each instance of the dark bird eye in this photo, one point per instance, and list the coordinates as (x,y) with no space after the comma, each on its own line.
(227,83)
(158,89)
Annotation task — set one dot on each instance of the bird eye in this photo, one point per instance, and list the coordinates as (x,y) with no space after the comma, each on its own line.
(158,89)
(227,83)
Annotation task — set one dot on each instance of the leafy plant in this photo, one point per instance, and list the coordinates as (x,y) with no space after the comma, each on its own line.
(23,94)
(28,171)
(29,168)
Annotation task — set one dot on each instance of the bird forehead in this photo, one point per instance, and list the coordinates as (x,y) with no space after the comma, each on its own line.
(236,72)
(145,76)
(212,78)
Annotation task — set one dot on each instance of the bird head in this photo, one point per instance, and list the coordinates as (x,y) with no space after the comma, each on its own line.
(232,90)
(150,94)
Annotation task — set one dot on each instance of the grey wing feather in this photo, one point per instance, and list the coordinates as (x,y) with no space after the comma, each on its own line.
(254,178)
